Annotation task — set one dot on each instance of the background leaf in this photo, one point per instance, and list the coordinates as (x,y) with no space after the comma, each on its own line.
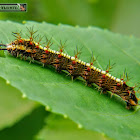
(82,104)
(43,125)
(12,106)
(64,129)
(27,127)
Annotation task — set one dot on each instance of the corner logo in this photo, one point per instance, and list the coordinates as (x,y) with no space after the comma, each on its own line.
(13,7)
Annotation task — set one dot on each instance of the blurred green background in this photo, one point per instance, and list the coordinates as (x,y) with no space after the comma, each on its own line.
(120,16)
(25,123)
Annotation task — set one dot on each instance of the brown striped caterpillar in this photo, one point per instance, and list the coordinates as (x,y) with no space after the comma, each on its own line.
(28,48)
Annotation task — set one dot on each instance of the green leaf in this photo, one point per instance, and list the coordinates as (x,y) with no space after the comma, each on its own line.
(43,125)
(81,104)
(27,127)
(12,106)
(64,129)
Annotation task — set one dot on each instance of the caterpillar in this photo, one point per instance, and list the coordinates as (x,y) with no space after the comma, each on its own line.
(28,48)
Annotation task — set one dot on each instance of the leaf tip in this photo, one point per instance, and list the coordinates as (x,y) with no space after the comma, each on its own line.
(103,134)
(47,108)
(7,82)
(24,21)
(65,116)
(59,24)
(89,27)
(80,126)
(77,26)
(24,95)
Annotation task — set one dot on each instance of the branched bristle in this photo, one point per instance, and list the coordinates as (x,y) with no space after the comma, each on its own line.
(17,35)
(125,76)
(39,38)
(32,32)
(48,42)
(36,36)
(62,46)
(109,67)
(77,53)
(92,59)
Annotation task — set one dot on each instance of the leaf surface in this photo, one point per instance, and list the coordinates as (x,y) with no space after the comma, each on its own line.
(82,104)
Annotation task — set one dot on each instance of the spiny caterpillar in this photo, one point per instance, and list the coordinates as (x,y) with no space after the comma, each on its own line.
(28,48)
